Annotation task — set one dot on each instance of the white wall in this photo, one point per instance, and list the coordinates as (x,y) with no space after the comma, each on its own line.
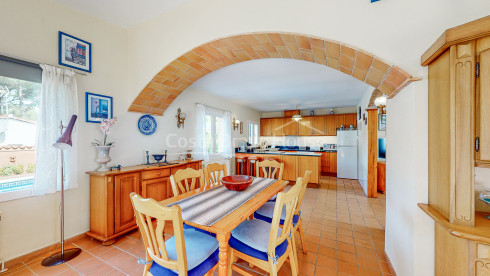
(362,134)
(397,31)
(29,29)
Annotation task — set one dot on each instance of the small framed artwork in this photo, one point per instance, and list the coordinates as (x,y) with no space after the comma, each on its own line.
(97,107)
(381,121)
(359,113)
(74,52)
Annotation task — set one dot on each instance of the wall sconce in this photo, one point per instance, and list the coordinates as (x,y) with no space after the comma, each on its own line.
(180,118)
(380,102)
(236,123)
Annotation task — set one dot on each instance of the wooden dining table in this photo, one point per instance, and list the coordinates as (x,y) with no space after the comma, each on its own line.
(224,226)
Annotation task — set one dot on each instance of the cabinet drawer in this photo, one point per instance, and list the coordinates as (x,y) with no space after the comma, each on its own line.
(155,174)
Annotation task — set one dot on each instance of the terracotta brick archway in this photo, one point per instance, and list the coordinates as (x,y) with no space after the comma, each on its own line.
(174,78)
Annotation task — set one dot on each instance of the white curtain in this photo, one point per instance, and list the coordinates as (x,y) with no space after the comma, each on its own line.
(227,134)
(200,150)
(57,104)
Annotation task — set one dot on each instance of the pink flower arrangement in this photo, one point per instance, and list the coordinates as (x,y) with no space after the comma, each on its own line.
(105,126)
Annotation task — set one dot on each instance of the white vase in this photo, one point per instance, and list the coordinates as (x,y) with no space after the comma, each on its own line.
(102,157)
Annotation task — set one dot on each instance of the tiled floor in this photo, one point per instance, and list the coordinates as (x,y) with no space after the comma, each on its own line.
(344,236)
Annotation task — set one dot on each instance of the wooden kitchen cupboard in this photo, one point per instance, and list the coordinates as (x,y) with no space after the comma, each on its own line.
(319,125)
(265,127)
(111,211)
(331,125)
(459,67)
(333,162)
(309,163)
(291,127)
(277,125)
(290,167)
(305,126)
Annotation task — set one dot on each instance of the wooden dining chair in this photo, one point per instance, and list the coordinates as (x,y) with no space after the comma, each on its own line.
(266,212)
(270,169)
(214,172)
(266,245)
(170,257)
(180,180)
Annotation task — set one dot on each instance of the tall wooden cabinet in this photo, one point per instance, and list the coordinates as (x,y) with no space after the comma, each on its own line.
(459,140)
(111,211)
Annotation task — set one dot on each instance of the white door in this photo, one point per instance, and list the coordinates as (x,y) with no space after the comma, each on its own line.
(347,162)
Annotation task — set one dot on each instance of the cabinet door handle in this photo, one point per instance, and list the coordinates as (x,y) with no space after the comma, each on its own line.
(158,173)
(477,144)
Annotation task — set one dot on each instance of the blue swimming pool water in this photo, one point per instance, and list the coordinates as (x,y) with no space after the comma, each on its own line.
(16,184)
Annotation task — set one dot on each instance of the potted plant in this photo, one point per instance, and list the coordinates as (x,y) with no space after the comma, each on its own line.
(102,146)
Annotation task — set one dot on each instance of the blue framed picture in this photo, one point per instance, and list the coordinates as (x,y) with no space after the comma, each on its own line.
(97,107)
(74,52)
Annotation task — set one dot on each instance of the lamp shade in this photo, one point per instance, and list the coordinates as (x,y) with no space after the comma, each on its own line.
(64,142)
(380,101)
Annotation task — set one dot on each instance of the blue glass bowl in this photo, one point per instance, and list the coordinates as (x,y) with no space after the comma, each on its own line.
(158,157)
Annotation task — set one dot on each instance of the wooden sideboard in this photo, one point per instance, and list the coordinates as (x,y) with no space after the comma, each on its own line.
(459,140)
(111,211)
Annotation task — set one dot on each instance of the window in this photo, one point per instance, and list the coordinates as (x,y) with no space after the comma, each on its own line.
(215,133)
(253,133)
(20,86)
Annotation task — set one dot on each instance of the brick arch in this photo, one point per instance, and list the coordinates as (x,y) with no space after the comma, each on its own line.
(174,78)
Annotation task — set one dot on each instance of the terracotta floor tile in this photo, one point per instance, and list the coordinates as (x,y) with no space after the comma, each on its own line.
(368,263)
(347,257)
(20,272)
(347,268)
(327,251)
(326,261)
(369,272)
(325,271)
(306,268)
(70,272)
(310,257)
(328,243)
(348,247)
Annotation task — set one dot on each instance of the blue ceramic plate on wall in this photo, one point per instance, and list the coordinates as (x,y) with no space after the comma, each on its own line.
(147,124)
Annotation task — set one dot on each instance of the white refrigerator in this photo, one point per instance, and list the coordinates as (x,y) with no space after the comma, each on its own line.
(347,154)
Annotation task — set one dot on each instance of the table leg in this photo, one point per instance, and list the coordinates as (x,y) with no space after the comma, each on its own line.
(223,253)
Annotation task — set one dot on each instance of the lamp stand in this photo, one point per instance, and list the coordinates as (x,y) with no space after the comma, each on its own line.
(68,254)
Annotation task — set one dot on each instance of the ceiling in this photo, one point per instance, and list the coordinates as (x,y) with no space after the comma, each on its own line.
(124,13)
(280,84)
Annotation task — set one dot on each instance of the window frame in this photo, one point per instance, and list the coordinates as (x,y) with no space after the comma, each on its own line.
(27,71)
(253,134)
(214,114)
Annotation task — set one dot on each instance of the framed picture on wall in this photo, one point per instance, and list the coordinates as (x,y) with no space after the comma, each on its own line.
(74,52)
(97,107)
(381,121)
(359,113)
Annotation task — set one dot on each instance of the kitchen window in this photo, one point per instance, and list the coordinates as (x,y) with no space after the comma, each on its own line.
(20,87)
(253,133)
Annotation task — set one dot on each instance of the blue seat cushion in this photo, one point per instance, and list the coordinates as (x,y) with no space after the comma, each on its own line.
(186,226)
(201,250)
(266,212)
(251,237)
(273,198)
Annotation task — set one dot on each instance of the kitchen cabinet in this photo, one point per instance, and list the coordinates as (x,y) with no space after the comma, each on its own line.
(277,126)
(111,211)
(331,125)
(325,162)
(332,162)
(340,120)
(290,167)
(319,125)
(381,177)
(350,119)
(265,127)
(309,163)
(124,185)
(291,127)
(305,126)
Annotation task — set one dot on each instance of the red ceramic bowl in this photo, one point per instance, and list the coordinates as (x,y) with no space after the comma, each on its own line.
(237,182)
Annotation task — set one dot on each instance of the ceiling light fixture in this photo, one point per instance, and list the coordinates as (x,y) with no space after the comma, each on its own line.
(380,102)
(297,117)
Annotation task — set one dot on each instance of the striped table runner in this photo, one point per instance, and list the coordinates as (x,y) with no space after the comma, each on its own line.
(210,206)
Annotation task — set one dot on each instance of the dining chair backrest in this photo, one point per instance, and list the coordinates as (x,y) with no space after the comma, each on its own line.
(180,180)
(214,172)
(290,200)
(304,182)
(145,211)
(270,169)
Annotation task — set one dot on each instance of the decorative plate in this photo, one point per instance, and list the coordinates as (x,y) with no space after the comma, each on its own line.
(147,124)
